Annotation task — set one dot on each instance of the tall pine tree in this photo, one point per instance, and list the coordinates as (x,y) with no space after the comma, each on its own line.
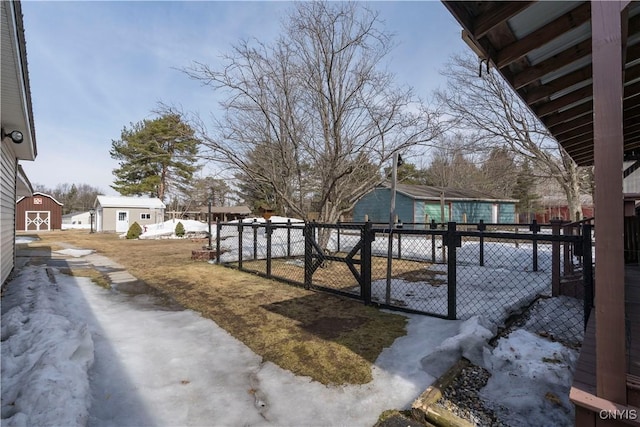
(155,156)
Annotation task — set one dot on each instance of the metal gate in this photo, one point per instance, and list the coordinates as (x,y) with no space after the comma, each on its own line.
(319,255)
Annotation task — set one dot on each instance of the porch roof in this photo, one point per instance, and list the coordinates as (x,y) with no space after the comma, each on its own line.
(543,50)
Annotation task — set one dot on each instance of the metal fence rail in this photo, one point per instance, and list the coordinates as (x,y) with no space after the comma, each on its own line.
(451,270)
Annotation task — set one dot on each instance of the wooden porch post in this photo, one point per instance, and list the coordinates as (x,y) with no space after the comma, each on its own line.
(608,154)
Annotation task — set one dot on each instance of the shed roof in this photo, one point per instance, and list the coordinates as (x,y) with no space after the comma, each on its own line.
(427,192)
(237,210)
(38,193)
(129,202)
(543,50)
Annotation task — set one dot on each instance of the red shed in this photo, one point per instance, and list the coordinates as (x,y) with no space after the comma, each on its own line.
(38,212)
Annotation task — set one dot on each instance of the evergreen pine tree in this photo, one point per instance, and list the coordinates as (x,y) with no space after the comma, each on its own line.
(154,156)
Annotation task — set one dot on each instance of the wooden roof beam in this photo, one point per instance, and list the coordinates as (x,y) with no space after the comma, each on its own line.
(577,131)
(561,102)
(578,140)
(571,124)
(552,63)
(541,92)
(496,15)
(571,113)
(544,35)
(632,114)
(632,90)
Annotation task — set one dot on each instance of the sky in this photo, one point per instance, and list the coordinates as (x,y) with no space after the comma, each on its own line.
(74,353)
(96,67)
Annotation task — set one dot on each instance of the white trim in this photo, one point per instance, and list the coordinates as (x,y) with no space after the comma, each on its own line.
(21,76)
(119,222)
(38,220)
(38,193)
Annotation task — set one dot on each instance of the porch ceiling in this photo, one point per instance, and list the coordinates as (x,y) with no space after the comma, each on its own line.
(543,49)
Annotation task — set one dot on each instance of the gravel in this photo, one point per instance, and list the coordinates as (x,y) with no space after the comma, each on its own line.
(461,398)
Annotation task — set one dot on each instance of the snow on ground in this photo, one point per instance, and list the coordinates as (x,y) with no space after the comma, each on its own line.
(530,380)
(74,353)
(76,253)
(76,226)
(23,240)
(167,229)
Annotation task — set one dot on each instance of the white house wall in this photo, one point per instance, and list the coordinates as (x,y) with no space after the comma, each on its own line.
(8,166)
(108,215)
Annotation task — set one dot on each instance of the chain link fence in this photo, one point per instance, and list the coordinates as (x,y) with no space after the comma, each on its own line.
(447,270)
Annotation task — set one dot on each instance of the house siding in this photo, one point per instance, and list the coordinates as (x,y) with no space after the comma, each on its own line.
(377,203)
(8,170)
(506,213)
(427,211)
(107,217)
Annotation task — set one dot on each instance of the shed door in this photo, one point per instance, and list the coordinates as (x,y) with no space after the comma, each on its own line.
(494,213)
(122,221)
(37,220)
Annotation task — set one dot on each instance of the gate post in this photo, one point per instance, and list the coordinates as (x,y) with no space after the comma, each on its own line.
(240,254)
(534,228)
(308,248)
(268,231)
(555,258)
(481,228)
(218,229)
(365,267)
(452,241)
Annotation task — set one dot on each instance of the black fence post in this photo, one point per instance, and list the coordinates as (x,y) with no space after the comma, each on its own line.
(268,231)
(218,230)
(481,227)
(399,243)
(452,241)
(534,228)
(240,254)
(365,267)
(289,238)
(338,236)
(308,248)
(255,239)
(555,258)
(433,226)
(587,271)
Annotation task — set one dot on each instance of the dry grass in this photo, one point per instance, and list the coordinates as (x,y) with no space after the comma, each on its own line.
(336,275)
(330,339)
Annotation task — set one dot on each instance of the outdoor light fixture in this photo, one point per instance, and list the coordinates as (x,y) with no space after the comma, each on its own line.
(16,136)
(91,213)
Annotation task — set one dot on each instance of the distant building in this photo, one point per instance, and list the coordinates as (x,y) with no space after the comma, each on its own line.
(223,213)
(40,212)
(119,213)
(556,207)
(77,220)
(421,203)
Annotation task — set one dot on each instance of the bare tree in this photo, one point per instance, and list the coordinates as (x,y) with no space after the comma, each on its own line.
(488,109)
(313,117)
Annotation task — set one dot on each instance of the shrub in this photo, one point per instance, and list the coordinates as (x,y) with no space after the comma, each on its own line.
(134,231)
(179,229)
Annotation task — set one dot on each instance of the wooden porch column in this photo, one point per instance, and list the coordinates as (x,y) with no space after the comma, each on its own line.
(608,154)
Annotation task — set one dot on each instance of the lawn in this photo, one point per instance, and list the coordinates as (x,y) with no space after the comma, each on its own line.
(330,339)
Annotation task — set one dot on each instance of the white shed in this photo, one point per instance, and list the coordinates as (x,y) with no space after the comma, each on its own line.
(115,213)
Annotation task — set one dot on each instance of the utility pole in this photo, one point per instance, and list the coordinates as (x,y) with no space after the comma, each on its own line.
(397,161)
